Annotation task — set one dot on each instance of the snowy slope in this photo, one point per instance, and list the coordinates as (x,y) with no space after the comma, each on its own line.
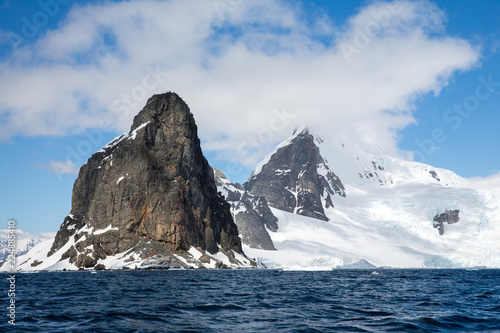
(387,216)
(24,241)
(361,165)
(37,259)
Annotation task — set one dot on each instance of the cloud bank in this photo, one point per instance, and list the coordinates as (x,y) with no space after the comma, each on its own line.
(250,71)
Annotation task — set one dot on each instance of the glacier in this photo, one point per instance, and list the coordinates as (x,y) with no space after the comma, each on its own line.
(386,216)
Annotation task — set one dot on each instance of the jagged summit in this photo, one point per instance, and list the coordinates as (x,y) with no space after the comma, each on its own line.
(295,178)
(251,213)
(150,192)
(300,130)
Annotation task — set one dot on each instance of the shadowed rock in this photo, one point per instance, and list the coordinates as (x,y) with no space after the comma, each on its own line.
(296,179)
(151,190)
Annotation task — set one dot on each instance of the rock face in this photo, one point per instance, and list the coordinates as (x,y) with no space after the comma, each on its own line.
(150,190)
(296,179)
(251,213)
(449,216)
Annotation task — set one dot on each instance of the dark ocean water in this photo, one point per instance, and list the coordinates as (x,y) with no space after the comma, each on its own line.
(256,301)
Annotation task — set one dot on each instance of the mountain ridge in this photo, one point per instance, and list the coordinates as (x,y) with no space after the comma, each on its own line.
(313,203)
(149,193)
(393,214)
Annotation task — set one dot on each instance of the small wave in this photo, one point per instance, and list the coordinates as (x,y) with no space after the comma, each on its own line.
(214,307)
(58,318)
(431,322)
(374,312)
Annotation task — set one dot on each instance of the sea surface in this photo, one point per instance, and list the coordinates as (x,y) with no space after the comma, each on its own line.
(256,301)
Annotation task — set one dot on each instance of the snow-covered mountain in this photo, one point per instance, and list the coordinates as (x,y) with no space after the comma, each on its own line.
(25,241)
(323,203)
(339,202)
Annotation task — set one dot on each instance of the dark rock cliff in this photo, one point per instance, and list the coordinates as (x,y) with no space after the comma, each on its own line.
(150,186)
(449,216)
(296,179)
(251,214)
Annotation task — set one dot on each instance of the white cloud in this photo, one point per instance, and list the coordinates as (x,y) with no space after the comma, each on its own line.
(62,167)
(236,63)
(490,182)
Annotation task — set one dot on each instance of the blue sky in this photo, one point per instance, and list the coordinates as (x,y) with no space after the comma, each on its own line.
(423,83)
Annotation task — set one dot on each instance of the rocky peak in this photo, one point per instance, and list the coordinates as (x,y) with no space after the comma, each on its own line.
(151,186)
(251,213)
(296,178)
